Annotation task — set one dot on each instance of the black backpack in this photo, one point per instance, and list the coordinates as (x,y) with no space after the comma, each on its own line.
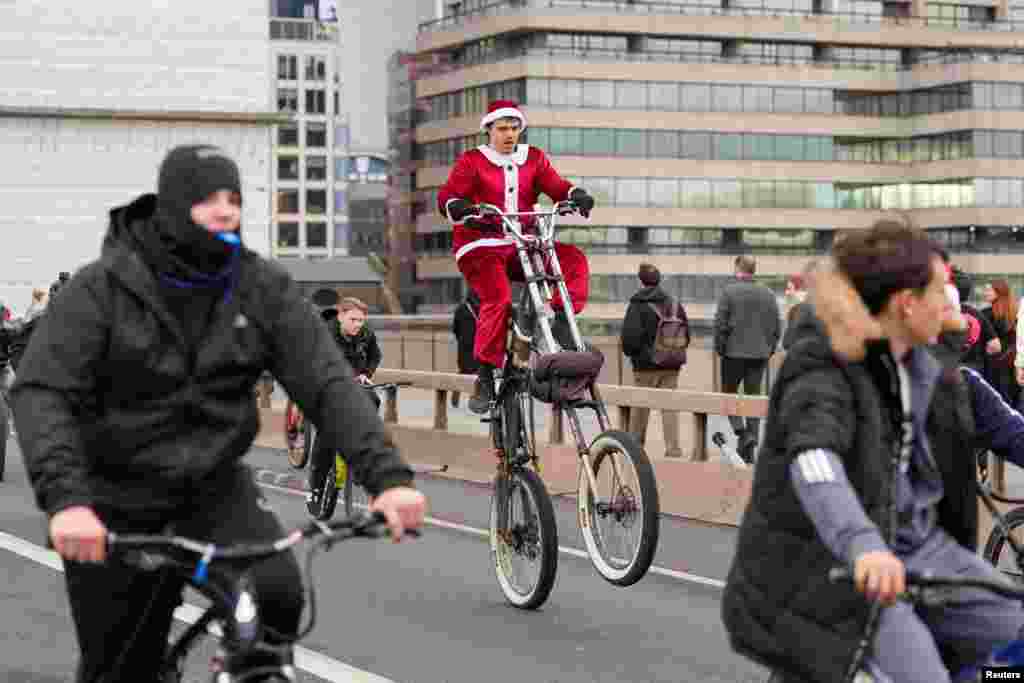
(671,338)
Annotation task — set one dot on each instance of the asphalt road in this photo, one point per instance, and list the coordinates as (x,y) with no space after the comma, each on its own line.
(430,610)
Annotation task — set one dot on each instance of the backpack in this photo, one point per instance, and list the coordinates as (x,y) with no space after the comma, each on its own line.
(671,338)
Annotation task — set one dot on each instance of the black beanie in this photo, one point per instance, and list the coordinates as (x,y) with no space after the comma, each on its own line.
(191,173)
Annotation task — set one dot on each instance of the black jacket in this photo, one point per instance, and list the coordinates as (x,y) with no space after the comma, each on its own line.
(778,606)
(361,351)
(114,408)
(640,326)
(464,329)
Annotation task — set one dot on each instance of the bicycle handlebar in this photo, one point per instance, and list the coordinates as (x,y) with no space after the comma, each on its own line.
(919,581)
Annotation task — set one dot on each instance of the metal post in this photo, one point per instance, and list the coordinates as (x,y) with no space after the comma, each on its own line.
(700,437)
(440,409)
(391,405)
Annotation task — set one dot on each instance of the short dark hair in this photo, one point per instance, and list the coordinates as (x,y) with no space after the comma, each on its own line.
(746,264)
(887,258)
(649,274)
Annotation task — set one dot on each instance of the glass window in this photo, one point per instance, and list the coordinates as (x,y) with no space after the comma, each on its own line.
(696,145)
(287,235)
(316,68)
(631,143)
(727,98)
(599,142)
(757,99)
(566,141)
(288,135)
(789,194)
(539,137)
(316,102)
(824,196)
(558,95)
(601,189)
(819,101)
(630,94)
(695,193)
(759,147)
(340,202)
(288,100)
(537,92)
(726,194)
(728,146)
(630,192)
(663,144)
(695,97)
(789,100)
(316,235)
(983,97)
(288,201)
(599,94)
(287,168)
(1007,96)
(791,147)
(663,192)
(316,168)
(663,96)
(574,93)
(983,144)
(316,201)
(316,134)
(287,67)
(1007,144)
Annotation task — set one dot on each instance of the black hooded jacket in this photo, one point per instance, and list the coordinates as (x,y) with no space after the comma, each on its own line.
(116,406)
(779,606)
(640,326)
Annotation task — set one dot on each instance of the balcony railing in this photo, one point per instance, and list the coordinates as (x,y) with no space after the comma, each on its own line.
(303,30)
(713,8)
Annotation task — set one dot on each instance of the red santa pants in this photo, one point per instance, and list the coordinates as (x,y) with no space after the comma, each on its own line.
(488,270)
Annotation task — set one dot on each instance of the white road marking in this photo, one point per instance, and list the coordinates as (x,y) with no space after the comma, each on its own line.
(574,552)
(315,663)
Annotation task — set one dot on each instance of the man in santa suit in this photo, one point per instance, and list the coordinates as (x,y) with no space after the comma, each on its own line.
(510,176)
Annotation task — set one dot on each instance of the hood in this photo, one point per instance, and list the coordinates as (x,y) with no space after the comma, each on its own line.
(142,208)
(805,322)
(652,295)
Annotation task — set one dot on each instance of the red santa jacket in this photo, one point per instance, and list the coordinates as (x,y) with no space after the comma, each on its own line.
(512,182)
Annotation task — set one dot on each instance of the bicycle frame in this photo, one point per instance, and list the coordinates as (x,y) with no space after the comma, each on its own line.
(536,254)
(233,603)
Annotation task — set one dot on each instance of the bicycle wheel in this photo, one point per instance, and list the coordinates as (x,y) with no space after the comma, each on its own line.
(999,552)
(5,433)
(329,498)
(524,538)
(620,523)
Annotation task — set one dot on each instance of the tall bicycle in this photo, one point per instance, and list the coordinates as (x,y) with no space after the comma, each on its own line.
(1007,530)
(213,571)
(617,496)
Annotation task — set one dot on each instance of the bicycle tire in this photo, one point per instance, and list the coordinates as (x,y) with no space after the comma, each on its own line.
(5,434)
(620,571)
(527,481)
(329,497)
(996,543)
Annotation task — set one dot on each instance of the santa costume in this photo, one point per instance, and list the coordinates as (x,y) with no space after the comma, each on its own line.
(512,182)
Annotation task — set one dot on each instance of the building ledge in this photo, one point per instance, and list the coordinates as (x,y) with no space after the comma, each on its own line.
(239,117)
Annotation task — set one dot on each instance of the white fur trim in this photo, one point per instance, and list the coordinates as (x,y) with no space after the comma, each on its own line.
(482,242)
(503,113)
(517,157)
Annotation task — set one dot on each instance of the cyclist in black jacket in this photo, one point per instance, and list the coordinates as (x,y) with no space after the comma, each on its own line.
(134,408)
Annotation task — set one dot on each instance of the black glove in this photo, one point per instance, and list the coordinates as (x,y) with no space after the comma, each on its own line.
(584,202)
(458,209)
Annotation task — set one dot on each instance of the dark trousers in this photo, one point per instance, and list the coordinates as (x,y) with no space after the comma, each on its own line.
(111,603)
(322,457)
(750,373)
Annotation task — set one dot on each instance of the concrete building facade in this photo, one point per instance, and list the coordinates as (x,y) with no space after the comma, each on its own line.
(92,98)
(708,128)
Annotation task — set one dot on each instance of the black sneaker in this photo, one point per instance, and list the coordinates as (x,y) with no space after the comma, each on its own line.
(483,392)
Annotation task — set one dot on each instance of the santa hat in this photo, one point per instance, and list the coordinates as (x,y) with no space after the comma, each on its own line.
(502,109)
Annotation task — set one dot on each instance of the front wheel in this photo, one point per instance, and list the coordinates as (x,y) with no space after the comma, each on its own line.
(524,538)
(999,552)
(620,521)
(329,497)
(355,496)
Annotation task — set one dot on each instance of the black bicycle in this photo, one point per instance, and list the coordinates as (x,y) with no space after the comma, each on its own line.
(339,479)
(233,607)
(618,509)
(1007,530)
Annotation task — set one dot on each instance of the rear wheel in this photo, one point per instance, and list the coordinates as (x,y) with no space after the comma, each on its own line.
(619,522)
(524,538)
(298,454)
(998,550)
